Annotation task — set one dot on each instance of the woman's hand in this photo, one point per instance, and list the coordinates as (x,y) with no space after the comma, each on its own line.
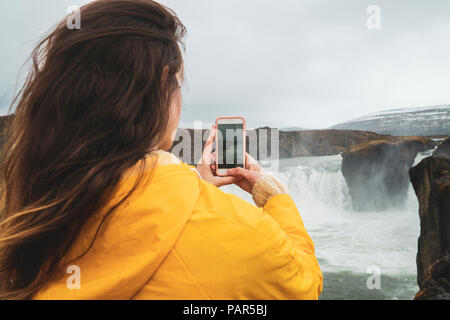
(246,178)
(206,166)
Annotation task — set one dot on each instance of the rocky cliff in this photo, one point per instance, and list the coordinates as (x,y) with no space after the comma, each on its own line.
(291,143)
(321,142)
(431,182)
(376,172)
(443,150)
(436,285)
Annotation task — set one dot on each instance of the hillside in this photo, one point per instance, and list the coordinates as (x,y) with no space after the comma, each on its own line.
(427,121)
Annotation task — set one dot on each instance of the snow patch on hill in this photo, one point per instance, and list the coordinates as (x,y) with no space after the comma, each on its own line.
(433,120)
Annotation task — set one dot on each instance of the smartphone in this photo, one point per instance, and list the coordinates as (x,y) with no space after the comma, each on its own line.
(230,144)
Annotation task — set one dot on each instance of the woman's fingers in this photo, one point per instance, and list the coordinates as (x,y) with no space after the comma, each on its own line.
(244,178)
(240,173)
(207,166)
(206,156)
(223,181)
(252,164)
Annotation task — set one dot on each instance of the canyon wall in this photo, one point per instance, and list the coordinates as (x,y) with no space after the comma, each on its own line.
(431,182)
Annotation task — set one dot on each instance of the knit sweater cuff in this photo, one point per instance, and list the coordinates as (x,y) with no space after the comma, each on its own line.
(265,187)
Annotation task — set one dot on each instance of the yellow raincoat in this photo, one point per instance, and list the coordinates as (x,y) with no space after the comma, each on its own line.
(180,237)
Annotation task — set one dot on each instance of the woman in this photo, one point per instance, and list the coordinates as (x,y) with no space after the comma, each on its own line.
(93,205)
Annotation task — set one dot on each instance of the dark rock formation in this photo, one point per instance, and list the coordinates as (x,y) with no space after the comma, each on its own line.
(431,182)
(436,285)
(291,143)
(376,172)
(321,142)
(443,150)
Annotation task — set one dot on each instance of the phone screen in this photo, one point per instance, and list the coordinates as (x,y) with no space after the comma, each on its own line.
(230,145)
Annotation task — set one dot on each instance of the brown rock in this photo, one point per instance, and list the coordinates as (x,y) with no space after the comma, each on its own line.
(304,143)
(443,150)
(431,182)
(321,142)
(436,285)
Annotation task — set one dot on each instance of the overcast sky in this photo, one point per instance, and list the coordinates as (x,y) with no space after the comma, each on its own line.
(281,63)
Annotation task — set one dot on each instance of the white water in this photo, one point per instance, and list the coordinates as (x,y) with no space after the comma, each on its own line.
(345,240)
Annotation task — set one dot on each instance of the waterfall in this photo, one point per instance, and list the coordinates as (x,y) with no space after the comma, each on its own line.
(422,155)
(318,183)
(347,243)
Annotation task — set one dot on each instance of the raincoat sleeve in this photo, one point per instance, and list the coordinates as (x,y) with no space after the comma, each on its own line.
(289,268)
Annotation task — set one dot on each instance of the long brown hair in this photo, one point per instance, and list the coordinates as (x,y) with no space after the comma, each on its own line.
(95,103)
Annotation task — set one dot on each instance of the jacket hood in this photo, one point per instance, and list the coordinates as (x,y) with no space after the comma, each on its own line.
(136,237)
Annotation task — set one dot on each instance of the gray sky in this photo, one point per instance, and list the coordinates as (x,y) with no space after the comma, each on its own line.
(282,62)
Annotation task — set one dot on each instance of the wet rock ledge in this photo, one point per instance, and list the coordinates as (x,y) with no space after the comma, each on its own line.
(431,182)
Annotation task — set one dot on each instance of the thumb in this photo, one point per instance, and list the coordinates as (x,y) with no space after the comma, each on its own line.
(223,181)
(238,172)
